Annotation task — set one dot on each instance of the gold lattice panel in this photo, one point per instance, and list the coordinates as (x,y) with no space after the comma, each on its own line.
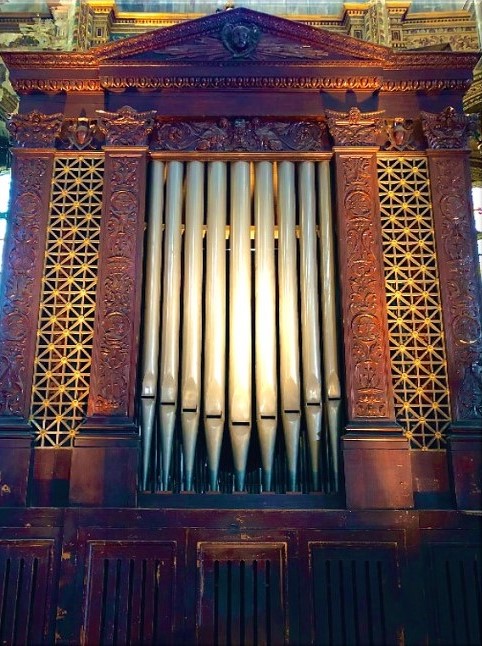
(66,321)
(414,307)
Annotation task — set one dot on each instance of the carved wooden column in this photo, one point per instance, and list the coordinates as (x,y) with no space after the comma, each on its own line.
(375,453)
(105,455)
(461,294)
(34,137)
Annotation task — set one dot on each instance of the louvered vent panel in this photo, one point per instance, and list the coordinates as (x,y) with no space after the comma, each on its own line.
(355,591)
(454,576)
(25,569)
(241,595)
(130,593)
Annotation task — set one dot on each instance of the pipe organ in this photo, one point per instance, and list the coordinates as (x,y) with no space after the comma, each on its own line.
(240,343)
(237,390)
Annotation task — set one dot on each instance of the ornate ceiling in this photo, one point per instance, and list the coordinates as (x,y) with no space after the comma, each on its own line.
(284,7)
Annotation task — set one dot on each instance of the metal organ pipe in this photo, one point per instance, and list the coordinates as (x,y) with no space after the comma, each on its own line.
(284,312)
(329,327)
(288,316)
(215,324)
(265,318)
(192,319)
(310,327)
(240,319)
(150,362)
(170,314)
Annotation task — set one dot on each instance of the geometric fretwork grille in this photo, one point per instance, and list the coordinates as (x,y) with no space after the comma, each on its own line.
(66,320)
(416,338)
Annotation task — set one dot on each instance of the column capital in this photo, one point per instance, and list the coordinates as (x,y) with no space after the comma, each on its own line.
(126,127)
(448,130)
(35,129)
(355,128)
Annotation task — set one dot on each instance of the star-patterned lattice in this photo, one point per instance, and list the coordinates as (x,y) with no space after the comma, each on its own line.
(66,321)
(416,336)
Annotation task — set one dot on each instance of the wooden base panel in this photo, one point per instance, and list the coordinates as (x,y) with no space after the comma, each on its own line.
(15,452)
(104,470)
(378,472)
(239,576)
(465,453)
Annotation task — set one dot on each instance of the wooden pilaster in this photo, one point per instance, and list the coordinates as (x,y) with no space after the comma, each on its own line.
(105,455)
(461,295)
(375,453)
(34,135)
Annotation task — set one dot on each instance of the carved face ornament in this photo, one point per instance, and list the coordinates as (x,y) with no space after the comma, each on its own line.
(240,39)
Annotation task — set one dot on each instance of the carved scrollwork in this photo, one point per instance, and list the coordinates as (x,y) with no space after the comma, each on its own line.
(247,135)
(354,128)
(460,283)
(126,127)
(447,129)
(35,129)
(17,316)
(363,303)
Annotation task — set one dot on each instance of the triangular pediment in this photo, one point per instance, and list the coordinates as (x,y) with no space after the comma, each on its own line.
(240,36)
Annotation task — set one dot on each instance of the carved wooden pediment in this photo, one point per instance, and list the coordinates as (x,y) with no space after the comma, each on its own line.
(239,49)
(240,35)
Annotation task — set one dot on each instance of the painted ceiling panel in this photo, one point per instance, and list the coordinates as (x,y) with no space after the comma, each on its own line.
(300,7)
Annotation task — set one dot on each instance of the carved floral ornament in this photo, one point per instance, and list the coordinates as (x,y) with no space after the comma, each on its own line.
(35,129)
(127,127)
(354,128)
(448,129)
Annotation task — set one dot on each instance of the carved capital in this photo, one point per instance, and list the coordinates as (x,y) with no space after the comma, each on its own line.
(241,135)
(126,127)
(355,128)
(35,129)
(447,129)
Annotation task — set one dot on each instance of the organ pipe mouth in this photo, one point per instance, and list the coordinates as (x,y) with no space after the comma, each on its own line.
(234,328)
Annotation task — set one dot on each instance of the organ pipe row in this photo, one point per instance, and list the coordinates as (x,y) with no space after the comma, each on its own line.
(239,269)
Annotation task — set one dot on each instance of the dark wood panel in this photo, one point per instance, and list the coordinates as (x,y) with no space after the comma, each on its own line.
(26,591)
(355,593)
(241,593)
(454,574)
(130,595)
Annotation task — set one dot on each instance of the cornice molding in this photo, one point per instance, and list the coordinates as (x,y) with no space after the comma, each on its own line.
(119,83)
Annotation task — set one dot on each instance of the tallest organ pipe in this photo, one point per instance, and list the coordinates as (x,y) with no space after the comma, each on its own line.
(240,320)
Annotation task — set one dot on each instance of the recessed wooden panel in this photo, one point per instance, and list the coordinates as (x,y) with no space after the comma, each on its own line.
(25,588)
(241,593)
(130,593)
(454,575)
(355,593)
